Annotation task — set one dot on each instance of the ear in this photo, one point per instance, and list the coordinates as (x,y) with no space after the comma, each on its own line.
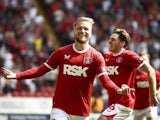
(122,44)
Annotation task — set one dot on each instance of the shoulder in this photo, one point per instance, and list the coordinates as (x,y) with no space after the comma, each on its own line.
(130,53)
(94,51)
(96,55)
(107,54)
(60,51)
(65,47)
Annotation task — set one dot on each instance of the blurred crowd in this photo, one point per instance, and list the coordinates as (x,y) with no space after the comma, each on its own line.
(141,18)
(24,41)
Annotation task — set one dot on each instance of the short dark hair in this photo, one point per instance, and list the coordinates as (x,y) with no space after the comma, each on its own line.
(123,35)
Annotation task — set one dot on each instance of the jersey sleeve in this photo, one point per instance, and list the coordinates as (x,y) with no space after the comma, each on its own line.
(133,59)
(53,60)
(100,65)
(33,72)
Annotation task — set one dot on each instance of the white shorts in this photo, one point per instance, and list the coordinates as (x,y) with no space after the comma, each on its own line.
(150,112)
(59,114)
(117,112)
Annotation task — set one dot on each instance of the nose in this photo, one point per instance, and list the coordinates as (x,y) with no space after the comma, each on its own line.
(83,30)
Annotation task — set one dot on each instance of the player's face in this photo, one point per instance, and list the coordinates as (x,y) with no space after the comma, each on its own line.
(115,45)
(82,32)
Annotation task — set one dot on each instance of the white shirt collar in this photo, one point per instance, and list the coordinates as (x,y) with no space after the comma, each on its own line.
(82,51)
(119,52)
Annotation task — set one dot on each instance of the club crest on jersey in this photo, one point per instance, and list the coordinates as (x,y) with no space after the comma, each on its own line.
(119,59)
(67,57)
(88,60)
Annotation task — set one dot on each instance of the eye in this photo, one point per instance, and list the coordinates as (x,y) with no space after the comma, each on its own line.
(83,29)
(112,39)
(86,29)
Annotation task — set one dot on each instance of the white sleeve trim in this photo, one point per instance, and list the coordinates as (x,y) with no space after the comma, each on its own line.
(48,66)
(141,64)
(103,73)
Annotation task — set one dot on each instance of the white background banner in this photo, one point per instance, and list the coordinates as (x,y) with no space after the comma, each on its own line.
(23,105)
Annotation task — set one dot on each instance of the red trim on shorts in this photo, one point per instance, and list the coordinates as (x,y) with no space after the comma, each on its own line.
(110,117)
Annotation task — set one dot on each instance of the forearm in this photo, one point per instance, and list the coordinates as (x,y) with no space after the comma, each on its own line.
(108,84)
(147,68)
(32,73)
(152,82)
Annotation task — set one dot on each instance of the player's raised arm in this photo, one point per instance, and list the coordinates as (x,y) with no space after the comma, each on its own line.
(111,86)
(30,73)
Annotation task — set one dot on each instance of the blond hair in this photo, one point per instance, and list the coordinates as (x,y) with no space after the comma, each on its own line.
(80,19)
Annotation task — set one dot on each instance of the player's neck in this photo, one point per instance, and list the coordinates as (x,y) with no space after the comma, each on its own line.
(81,47)
(118,52)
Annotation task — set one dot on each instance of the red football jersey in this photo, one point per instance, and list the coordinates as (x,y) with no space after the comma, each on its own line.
(142,90)
(121,68)
(77,71)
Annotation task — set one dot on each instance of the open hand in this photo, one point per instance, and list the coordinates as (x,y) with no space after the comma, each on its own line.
(8,74)
(125,89)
